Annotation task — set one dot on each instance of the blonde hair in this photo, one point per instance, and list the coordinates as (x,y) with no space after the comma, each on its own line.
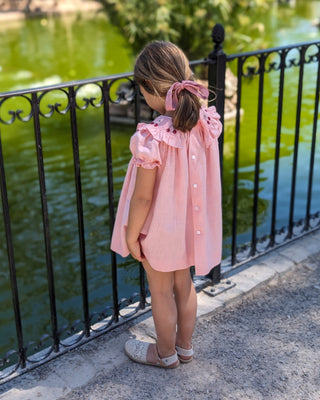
(158,67)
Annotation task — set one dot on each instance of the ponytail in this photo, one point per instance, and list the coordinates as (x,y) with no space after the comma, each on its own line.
(186,114)
(183,99)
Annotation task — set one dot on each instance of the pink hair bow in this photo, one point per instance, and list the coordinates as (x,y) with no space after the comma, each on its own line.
(175,89)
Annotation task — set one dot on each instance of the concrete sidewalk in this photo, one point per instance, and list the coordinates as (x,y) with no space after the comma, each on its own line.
(258,340)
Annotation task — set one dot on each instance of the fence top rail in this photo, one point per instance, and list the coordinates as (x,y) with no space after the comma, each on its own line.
(272,50)
(64,85)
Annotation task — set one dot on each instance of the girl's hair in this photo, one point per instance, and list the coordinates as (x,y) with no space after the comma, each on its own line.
(158,67)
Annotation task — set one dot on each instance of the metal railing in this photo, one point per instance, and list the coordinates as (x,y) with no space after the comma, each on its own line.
(71,101)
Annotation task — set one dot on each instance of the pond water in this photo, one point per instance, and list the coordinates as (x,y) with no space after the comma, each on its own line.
(42,51)
(45,51)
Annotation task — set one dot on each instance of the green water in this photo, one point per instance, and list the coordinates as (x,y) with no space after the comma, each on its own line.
(41,51)
(45,51)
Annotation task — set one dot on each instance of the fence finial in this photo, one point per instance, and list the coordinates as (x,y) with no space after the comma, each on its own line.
(217,35)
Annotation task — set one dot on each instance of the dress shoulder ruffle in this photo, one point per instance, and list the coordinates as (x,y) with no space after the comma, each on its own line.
(210,120)
(144,144)
(162,130)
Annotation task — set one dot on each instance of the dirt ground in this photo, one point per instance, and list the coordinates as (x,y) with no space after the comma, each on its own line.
(266,347)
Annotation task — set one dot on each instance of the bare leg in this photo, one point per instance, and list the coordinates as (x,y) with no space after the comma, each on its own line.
(186,301)
(164,311)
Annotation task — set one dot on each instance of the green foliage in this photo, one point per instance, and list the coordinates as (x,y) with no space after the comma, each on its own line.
(186,23)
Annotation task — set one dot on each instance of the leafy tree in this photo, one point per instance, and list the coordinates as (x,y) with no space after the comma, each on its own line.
(185,22)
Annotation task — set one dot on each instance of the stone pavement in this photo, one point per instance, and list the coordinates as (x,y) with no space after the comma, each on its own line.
(258,340)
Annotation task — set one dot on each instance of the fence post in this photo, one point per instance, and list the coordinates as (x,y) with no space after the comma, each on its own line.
(216,85)
(216,77)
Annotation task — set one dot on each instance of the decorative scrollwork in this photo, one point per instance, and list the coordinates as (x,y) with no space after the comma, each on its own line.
(129,307)
(38,350)
(314,220)
(274,61)
(125,91)
(10,366)
(298,56)
(245,251)
(101,321)
(254,63)
(17,107)
(73,335)
(250,66)
(61,104)
(90,94)
(312,53)
(263,243)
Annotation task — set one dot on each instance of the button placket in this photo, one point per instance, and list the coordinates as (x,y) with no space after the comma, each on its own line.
(195,175)
(196,208)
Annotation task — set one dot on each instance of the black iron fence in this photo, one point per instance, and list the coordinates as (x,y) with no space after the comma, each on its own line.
(67,101)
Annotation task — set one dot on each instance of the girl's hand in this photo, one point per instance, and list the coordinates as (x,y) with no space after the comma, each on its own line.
(135,250)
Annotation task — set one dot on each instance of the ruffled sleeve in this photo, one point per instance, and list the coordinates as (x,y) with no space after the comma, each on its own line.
(145,143)
(211,121)
(145,149)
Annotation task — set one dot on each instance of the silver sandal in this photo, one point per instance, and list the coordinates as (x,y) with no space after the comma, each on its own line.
(185,353)
(137,350)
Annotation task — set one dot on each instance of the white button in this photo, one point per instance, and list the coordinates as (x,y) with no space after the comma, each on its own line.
(195,185)
(198,232)
(196,208)
(193,157)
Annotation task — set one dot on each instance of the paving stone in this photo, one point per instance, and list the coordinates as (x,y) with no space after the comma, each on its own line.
(253,277)
(278,262)
(77,372)
(42,383)
(105,355)
(144,330)
(207,304)
(231,296)
(300,249)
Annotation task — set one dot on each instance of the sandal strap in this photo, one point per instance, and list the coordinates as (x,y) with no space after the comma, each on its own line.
(169,360)
(184,352)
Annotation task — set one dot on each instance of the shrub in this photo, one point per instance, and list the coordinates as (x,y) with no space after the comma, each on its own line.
(186,23)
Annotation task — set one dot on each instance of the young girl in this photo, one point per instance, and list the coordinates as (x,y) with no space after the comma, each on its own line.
(169,213)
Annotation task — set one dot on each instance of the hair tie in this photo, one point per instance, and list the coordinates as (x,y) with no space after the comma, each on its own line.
(192,87)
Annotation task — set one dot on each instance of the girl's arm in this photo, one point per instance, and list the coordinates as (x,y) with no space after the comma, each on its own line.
(139,208)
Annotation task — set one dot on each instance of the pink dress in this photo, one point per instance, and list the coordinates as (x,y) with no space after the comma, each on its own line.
(184,225)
